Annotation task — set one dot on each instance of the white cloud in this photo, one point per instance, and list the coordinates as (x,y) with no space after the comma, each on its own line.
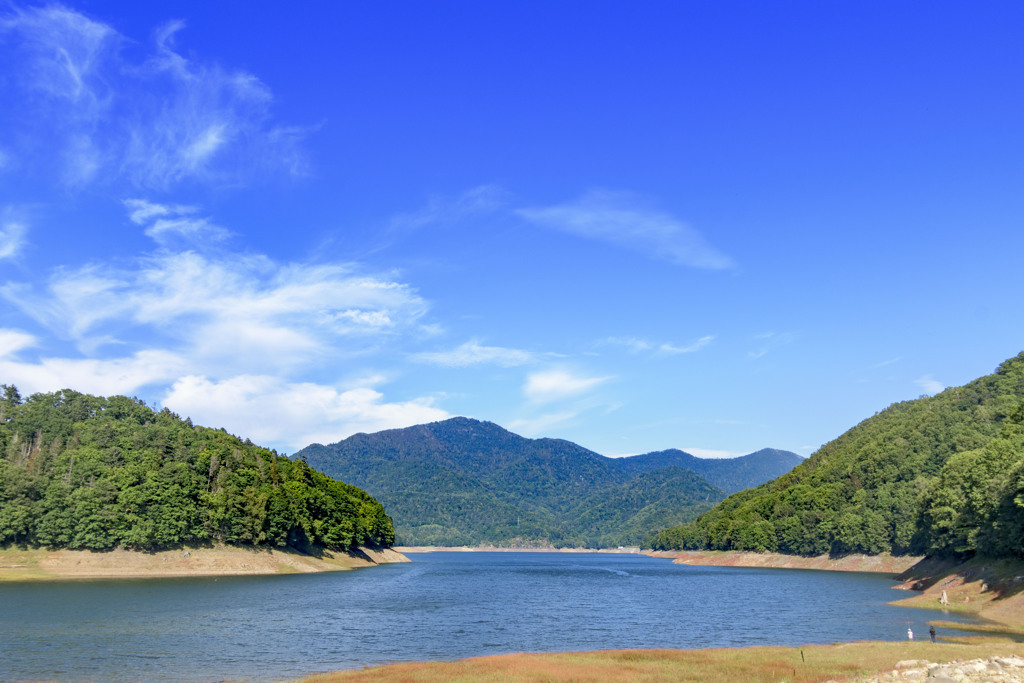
(712,453)
(190,229)
(619,219)
(91,375)
(141,211)
(553,385)
(168,224)
(12,235)
(12,341)
(155,121)
(689,348)
(272,411)
(76,300)
(929,385)
(228,315)
(473,353)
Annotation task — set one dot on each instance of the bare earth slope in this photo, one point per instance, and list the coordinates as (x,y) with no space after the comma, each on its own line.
(220,560)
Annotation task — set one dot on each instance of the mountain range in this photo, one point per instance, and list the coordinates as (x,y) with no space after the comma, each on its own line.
(466,482)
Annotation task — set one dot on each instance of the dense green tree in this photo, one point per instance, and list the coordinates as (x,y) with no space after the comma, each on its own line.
(81,471)
(941,475)
(467,482)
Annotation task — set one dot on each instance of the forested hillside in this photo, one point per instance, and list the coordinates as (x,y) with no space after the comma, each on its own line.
(466,482)
(941,475)
(729,474)
(80,471)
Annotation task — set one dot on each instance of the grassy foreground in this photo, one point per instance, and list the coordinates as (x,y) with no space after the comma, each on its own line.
(809,664)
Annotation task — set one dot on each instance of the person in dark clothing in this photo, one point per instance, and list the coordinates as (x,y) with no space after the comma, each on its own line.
(931,632)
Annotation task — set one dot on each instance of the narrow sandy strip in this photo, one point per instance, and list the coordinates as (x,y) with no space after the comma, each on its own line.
(220,560)
(500,549)
(884,564)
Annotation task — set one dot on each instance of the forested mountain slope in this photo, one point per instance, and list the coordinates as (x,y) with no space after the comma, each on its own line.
(942,475)
(466,482)
(80,471)
(729,474)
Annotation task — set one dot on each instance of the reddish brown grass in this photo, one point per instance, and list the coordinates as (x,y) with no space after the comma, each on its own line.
(754,664)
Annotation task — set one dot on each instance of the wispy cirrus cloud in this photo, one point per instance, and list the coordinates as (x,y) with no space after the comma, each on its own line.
(155,122)
(638,345)
(474,353)
(447,210)
(623,220)
(170,223)
(768,341)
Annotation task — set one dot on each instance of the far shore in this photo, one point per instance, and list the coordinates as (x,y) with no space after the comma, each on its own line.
(404,549)
(883,564)
(40,564)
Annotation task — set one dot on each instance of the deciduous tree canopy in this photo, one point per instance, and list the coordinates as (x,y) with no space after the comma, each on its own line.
(80,471)
(942,475)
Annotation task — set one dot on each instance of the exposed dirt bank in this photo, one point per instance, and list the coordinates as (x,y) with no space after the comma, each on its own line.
(990,588)
(41,564)
(885,564)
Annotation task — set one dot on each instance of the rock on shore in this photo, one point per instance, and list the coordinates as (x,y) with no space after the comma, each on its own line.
(991,670)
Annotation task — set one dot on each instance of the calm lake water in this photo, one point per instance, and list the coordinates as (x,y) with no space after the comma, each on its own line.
(440,606)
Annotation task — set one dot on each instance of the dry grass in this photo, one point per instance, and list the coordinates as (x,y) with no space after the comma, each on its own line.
(810,664)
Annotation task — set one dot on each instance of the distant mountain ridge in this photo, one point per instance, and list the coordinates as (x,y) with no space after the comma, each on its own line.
(466,482)
(729,474)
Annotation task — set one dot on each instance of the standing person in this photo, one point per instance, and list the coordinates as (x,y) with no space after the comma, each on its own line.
(931,632)
(910,634)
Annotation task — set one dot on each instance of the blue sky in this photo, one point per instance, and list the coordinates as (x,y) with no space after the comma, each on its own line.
(637,226)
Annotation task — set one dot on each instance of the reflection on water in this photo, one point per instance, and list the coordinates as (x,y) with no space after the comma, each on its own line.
(440,606)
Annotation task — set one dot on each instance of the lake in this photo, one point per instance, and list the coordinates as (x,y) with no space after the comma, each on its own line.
(444,605)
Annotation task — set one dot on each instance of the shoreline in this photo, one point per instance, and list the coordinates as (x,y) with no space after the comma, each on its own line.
(404,549)
(989,588)
(39,564)
(879,564)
